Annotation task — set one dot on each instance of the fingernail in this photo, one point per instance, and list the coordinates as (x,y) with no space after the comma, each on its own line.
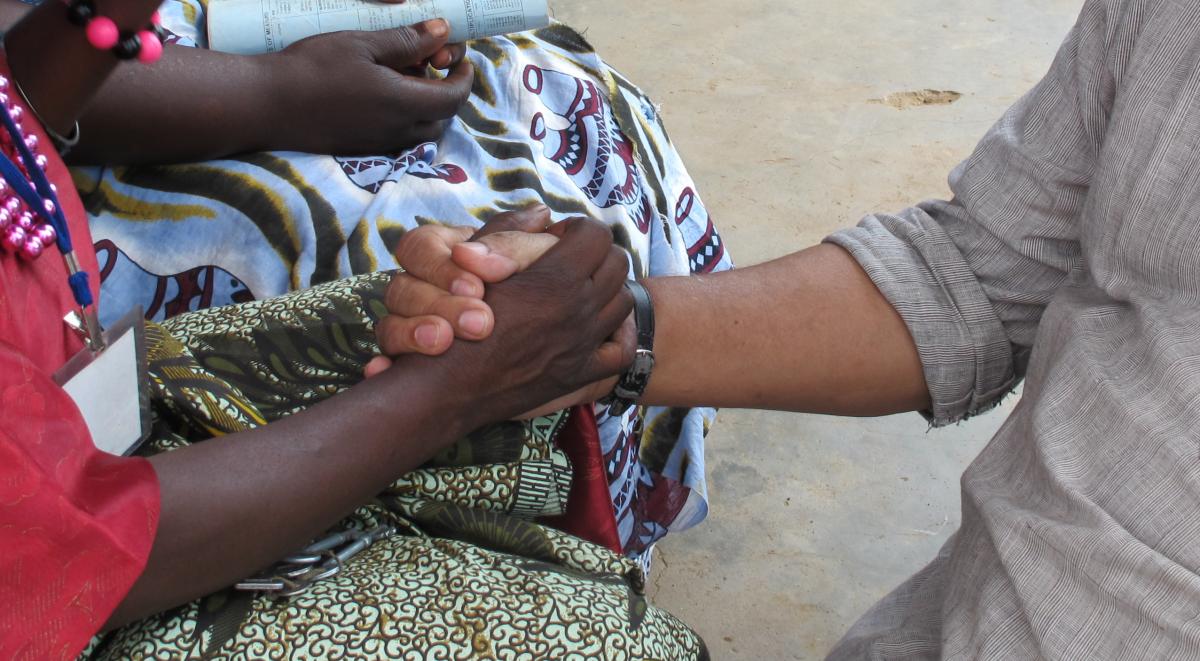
(463,287)
(427,335)
(473,322)
(438,27)
(477,248)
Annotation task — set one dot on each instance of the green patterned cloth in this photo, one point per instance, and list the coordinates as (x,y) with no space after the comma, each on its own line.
(469,574)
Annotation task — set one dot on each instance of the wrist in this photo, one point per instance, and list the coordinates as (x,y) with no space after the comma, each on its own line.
(631,385)
(436,392)
(271,102)
(294,104)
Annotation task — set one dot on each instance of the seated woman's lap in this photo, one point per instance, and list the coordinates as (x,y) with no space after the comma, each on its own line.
(460,565)
(416,595)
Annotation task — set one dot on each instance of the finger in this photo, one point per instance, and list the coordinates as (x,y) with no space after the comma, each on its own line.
(619,350)
(437,98)
(448,56)
(377,365)
(584,247)
(420,131)
(496,257)
(470,318)
(626,335)
(404,47)
(458,53)
(609,360)
(613,273)
(531,219)
(425,254)
(428,335)
(441,59)
(612,317)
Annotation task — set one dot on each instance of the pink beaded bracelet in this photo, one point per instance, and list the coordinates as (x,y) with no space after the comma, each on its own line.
(102,33)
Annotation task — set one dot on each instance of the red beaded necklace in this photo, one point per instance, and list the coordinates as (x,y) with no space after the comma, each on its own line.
(22,231)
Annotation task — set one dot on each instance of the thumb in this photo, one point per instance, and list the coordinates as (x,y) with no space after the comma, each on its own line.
(530,219)
(496,257)
(404,48)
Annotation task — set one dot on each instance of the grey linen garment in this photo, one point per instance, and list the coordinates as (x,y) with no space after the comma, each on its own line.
(1070,256)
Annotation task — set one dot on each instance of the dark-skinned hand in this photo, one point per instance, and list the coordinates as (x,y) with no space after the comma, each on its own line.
(366,92)
(448,56)
(554,326)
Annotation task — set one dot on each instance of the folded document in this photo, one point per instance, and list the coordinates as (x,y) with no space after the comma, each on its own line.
(264,26)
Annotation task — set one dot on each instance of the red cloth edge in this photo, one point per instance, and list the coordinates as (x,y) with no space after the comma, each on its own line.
(590,514)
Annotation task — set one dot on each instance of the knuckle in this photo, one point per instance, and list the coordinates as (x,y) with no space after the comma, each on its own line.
(404,247)
(595,232)
(443,273)
(618,255)
(403,40)
(541,288)
(414,246)
(500,222)
(391,294)
(398,293)
(449,308)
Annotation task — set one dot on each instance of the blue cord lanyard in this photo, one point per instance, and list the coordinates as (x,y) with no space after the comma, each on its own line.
(33,196)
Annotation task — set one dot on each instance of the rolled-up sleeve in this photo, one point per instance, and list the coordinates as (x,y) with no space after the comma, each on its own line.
(971,277)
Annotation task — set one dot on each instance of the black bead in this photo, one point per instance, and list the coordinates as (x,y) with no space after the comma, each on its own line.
(128,47)
(81,12)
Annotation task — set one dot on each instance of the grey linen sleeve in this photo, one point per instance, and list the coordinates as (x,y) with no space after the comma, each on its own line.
(972,276)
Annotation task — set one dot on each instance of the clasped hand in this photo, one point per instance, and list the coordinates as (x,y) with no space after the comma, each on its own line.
(456,286)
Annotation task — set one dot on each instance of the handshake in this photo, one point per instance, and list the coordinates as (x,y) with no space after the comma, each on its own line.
(531,314)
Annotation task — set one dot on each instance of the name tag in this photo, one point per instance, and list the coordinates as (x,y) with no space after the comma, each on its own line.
(111,387)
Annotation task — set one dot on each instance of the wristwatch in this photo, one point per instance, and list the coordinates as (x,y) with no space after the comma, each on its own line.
(632,384)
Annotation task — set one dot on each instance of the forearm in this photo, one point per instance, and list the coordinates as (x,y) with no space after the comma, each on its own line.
(807,332)
(193,104)
(234,505)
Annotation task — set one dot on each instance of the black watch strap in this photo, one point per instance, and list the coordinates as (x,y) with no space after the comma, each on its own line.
(632,384)
(643,314)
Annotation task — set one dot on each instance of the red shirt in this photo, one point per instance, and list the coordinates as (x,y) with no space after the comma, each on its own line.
(76,524)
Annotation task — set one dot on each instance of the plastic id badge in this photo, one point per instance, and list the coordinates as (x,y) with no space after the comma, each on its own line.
(112,388)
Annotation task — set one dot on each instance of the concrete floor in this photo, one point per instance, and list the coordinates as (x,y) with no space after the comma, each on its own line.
(775,105)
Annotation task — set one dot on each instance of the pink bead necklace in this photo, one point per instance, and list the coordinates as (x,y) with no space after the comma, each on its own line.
(30,216)
(22,231)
